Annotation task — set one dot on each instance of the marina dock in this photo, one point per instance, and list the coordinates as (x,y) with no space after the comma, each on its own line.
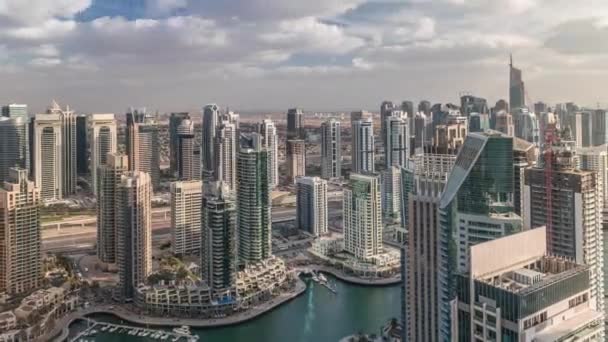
(95,327)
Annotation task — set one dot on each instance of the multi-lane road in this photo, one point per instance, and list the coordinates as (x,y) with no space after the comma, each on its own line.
(80,234)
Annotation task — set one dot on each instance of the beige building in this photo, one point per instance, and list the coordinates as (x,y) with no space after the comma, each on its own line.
(68,152)
(226,146)
(20,237)
(186,199)
(363,217)
(134,234)
(296,159)
(48,156)
(102,141)
(108,180)
(517,290)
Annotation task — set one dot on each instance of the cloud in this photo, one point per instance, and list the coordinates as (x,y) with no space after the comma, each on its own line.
(242,50)
(580,37)
(32,11)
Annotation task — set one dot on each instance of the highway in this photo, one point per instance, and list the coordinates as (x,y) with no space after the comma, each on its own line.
(76,238)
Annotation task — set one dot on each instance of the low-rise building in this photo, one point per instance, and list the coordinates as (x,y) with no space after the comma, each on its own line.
(257,282)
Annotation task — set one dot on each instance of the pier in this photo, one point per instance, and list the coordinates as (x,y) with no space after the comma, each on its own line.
(94,327)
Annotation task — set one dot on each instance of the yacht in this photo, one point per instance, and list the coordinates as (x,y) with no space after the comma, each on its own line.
(184,330)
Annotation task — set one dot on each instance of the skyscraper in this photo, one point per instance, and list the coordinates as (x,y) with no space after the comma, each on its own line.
(526,126)
(311,204)
(219,238)
(331,149)
(363,146)
(421,267)
(187,164)
(574,207)
(82,146)
(295,123)
(134,232)
(18,113)
(186,202)
(396,141)
(362,212)
(596,159)
(391,193)
(134,119)
(13,138)
(48,156)
(296,159)
(476,206)
(103,140)
(68,154)
(109,176)
(143,145)
(600,127)
(226,147)
(506,276)
(270,141)
(175,120)
(21,240)
(386,110)
(517,91)
(254,205)
(525,155)
(449,138)
(470,104)
(504,124)
(211,119)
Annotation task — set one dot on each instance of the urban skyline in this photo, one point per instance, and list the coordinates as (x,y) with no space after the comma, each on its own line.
(411,219)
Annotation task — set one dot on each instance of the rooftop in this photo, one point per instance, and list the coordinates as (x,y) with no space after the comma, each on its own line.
(543,272)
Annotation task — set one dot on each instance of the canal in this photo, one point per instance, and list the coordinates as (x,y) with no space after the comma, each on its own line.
(317,315)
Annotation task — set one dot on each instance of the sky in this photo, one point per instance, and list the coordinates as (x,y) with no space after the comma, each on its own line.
(174,55)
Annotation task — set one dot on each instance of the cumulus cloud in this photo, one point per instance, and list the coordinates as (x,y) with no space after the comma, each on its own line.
(259,44)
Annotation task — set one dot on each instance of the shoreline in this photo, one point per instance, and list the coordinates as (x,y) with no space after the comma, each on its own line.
(375,282)
(131,317)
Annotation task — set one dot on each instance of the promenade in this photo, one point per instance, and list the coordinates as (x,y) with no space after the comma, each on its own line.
(61,330)
(353,279)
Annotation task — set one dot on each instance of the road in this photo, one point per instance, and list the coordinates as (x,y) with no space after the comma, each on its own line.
(79,239)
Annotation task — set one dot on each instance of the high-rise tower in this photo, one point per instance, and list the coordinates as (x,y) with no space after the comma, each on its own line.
(517,91)
(187,163)
(331,149)
(295,123)
(311,204)
(103,140)
(296,159)
(363,217)
(17,140)
(363,153)
(186,201)
(575,228)
(134,232)
(20,240)
(270,142)
(174,122)
(396,141)
(226,147)
(211,119)
(254,205)
(109,177)
(48,156)
(68,155)
(476,206)
(219,238)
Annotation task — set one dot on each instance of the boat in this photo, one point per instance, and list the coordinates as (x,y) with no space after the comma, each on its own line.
(164,337)
(322,278)
(315,278)
(175,339)
(183,330)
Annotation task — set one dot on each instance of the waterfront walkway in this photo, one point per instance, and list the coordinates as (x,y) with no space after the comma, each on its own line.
(61,329)
(352,279)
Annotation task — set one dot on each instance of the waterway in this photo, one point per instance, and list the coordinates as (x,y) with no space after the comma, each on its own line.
(317,315)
